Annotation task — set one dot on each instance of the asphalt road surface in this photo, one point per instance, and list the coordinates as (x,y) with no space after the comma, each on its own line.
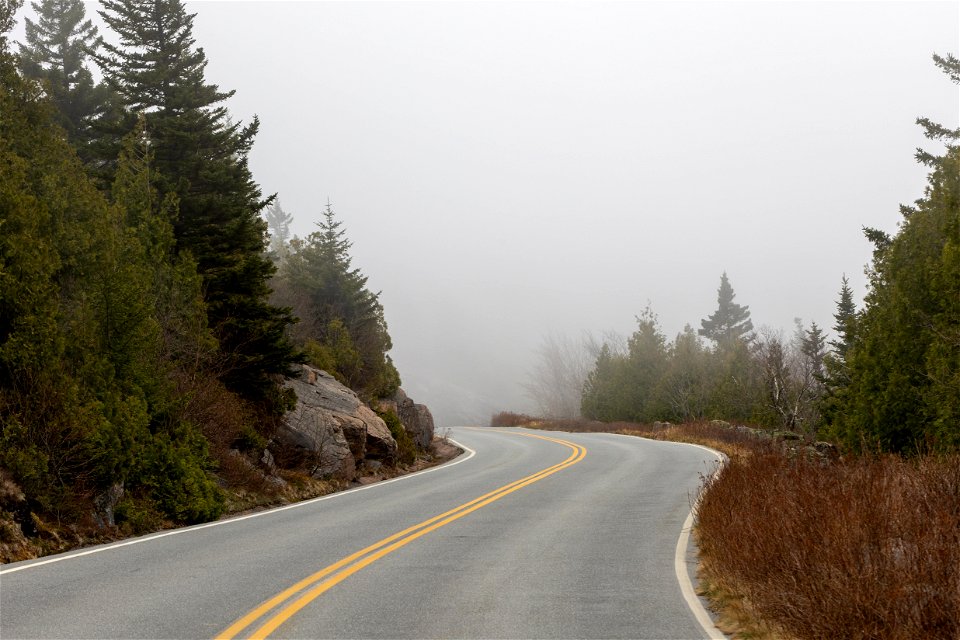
(529,534)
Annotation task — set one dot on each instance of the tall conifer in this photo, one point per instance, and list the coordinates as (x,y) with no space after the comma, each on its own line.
(903,392)
(202,157)
(844,318)
(56,51)
(730,322)
(338,298)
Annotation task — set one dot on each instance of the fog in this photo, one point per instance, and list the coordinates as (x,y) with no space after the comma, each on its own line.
(509,171)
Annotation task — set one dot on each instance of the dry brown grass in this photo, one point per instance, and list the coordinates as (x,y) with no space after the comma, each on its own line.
(508,419)
(861,548)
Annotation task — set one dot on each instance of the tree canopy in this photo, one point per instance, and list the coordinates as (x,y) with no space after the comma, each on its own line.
(201,157)
(901,389)
(56,52)
(342,324)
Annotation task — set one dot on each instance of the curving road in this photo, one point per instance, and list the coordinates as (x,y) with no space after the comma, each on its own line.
(530,535)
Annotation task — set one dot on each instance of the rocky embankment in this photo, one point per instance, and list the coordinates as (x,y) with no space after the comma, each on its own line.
(790,442)
(332,433)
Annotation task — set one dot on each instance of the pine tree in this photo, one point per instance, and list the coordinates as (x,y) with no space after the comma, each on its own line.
(685,385)
(56,50)
(646,365)
(844,321)
(8,9)
(336,297)
(278,226)
(201,156)
(904,364)
(606,388)
(731,322)
(813,348)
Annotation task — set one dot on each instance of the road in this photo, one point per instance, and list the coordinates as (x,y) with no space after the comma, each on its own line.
(573,536)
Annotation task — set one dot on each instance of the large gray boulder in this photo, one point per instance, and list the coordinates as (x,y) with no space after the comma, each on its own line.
(332,428)
(416,418)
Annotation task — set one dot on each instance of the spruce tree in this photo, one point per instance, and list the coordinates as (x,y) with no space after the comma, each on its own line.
(685,386)
(903,392)
(646,365)
(731,322)
(606,388)
(836,375)
(337,298)
(56,50)
(278,226)
(844,321)
(202,157)
(813,349)
(8,9)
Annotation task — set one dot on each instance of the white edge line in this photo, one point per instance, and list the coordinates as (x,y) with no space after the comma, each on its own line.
(680,561)
(218,523)
(680,554)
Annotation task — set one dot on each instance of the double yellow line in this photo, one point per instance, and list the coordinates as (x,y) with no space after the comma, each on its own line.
(280,608)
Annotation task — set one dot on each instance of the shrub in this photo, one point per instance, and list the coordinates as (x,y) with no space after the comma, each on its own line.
(406,448)
(862,548)
(175,475)
(136,516)
(508,419)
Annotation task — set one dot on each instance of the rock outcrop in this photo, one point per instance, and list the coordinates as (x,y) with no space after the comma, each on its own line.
(792,443)
(416,418)
(331,429)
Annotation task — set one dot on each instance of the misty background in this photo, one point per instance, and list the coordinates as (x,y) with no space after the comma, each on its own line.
(509,172)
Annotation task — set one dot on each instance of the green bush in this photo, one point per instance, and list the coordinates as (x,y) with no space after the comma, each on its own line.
(137,516)
(176,475)
(249,439)
(406,448)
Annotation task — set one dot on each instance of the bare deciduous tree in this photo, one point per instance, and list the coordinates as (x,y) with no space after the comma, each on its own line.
(556,382)
(792,374)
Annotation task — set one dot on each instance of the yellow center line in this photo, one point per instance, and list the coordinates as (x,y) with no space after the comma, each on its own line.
(357,561)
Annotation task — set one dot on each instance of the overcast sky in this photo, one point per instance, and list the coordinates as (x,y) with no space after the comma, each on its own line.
(511,170)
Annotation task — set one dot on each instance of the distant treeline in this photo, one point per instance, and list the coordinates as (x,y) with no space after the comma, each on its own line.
(140,347)
(887,380)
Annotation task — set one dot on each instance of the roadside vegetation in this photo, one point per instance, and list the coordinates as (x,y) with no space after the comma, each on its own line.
(152,299)
(861,547)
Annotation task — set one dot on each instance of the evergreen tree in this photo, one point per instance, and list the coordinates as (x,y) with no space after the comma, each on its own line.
(332,295)
(278,226)
(81,400)
(737,391)
(646,365)
(904,364)
(813,348)
(836,376)
(730,323)
(56,50)
(685,387)
(202,158)
(175,288)
(8,9)
(844,318)
(606,387)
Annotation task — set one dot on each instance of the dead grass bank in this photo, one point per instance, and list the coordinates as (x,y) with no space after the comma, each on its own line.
(858,548)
